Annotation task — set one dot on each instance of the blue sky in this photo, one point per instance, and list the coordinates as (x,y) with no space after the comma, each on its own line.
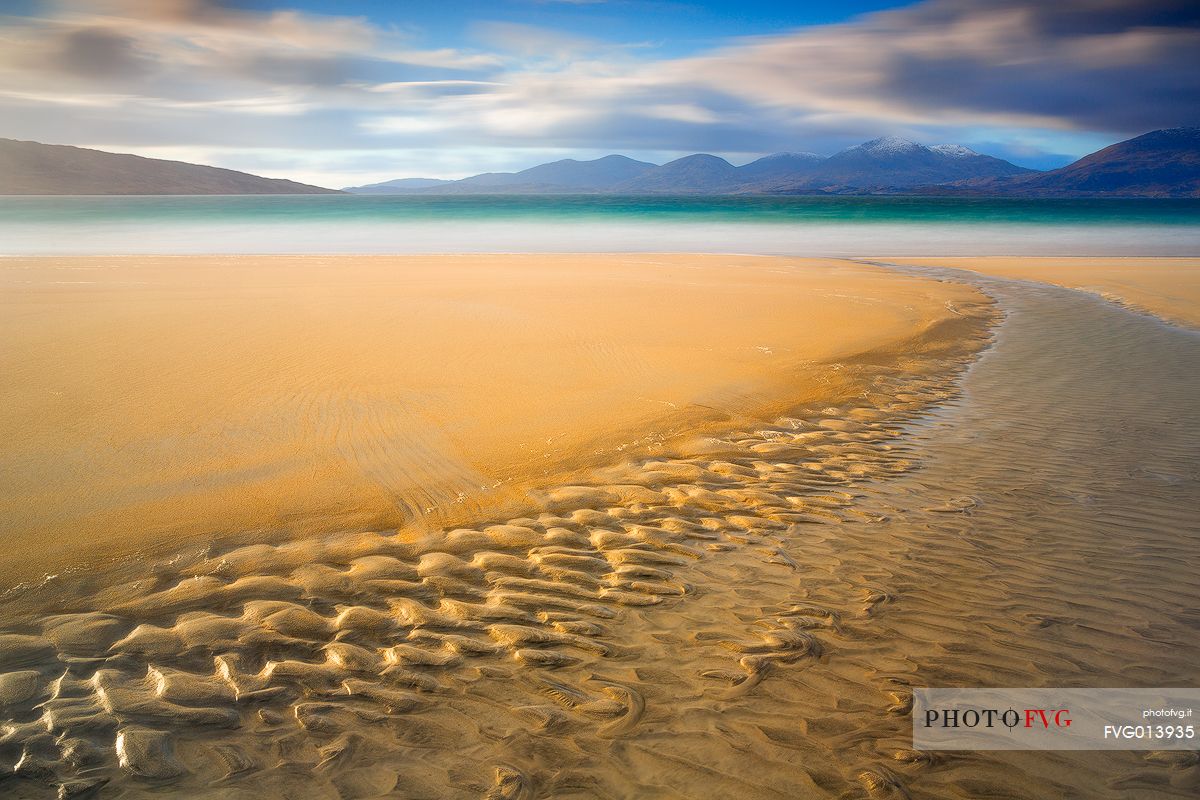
(667,28)
(339,93)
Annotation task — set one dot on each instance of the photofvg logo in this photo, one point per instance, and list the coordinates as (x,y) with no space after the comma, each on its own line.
(990,717)
(1055,719)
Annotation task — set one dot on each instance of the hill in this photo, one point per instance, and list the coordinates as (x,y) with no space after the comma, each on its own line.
(556,177)
(397,186)
(780,167)
(1164,163)
(696,174)
(35,168)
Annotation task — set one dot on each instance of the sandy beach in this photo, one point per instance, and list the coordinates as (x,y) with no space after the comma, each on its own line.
(1166,287)
(578,526)
(157,399)
(587,400)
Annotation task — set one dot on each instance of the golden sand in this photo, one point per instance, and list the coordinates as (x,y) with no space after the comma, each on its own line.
(740,611)
(151,399)
(1166,287)
(587,648)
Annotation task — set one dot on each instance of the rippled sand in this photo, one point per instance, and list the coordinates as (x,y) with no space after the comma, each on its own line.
(148,400)
(741,614)
(1166,287)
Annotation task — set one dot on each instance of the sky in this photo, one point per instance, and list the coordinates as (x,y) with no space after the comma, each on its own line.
(348,92)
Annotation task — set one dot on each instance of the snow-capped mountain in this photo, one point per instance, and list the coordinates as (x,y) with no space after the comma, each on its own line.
(891,161)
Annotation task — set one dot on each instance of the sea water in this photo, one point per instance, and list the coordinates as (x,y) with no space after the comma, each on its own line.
(813,226)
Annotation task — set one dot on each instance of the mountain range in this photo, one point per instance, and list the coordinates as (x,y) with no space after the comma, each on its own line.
(884,163)
(1163,163)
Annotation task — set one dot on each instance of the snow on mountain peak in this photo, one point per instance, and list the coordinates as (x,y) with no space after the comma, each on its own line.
(955,150)
(888,145)
(779,156)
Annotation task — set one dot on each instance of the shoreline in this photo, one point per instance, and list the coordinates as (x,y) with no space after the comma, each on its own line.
(1167,288)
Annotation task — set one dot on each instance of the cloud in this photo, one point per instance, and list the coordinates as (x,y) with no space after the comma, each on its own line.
(105,41)
(544,48)
(445,58)
(413,89)
(939,69)
(99,52)
(194,73)
(1116,65)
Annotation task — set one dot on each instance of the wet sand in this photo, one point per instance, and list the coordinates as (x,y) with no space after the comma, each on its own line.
(988,501)
(1048,539)
(1166,287)
(150,401)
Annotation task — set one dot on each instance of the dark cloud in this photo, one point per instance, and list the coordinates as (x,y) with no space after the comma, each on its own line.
(1112,65)
(1120,66)
(1066,19)
(1099,98)
(290,70)
(99,53)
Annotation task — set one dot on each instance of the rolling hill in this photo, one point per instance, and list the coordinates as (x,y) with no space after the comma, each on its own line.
(567,175)
(33,168)
(1163,163)
(398,186)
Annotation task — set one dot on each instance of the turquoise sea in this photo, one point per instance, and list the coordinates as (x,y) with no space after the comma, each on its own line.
(414,224)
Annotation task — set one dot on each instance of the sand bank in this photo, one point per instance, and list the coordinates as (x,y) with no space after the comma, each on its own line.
(147,400)
(744,615)
(1166,287)
(618,638)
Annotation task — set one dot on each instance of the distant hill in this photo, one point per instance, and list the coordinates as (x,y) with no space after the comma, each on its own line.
(557,177)
(397,186)
(35,168)
(698,174)
(601,173)
(780,167)
(1163,163)
(708,174)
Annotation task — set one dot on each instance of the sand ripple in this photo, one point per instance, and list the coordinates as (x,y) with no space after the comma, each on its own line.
(745,618)
(467,663)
